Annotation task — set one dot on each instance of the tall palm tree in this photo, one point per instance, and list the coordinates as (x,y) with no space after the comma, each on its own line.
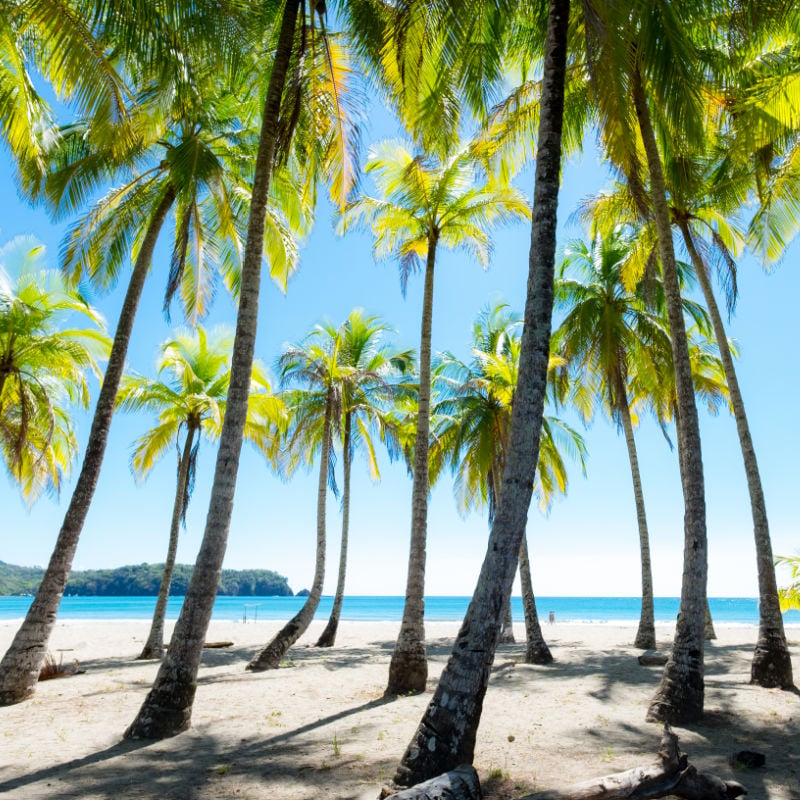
(189,399)
(605,332)
(43,367)
(423,204)
(477,406)
(298,42)
(446,734)
(368,389)
(315,372)
(186,158)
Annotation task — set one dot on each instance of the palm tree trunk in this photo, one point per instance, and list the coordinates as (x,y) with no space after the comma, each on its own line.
(19,669)
(271,655)
(167,709)
(708,625)
(154,646)
(446,734)
(408,669)
(507,625)
(772,663)
(679,697)
(646,633)
(536,650)
(328,636)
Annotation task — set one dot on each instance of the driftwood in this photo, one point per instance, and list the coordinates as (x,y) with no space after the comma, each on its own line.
(215,645)
(670,775)
(459,784)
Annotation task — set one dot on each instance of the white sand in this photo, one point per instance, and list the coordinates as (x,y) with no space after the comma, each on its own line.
(319,727)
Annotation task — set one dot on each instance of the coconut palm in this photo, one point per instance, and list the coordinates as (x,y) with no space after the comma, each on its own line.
(446,734)
(790,595)
(302,67)
(189,399)
(368,389)
(190,156)
(44,361)
(477,404)
(605,331)
(424,204)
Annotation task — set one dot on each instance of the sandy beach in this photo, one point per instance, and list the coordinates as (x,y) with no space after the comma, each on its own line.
(319,727)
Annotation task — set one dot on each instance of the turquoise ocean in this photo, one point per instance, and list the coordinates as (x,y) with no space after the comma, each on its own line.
(735,610)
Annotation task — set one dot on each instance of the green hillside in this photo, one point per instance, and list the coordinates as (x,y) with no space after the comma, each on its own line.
(143,580)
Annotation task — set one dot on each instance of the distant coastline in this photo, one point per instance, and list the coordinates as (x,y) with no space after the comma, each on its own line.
(724,610)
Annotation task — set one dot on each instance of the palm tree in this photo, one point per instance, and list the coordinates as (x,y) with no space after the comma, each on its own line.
(297,44)
(43,367)
(367,389)
(790,595)
(186,157)
(425,203)
(189,398)
(446,734)
(605,332)
(477,406)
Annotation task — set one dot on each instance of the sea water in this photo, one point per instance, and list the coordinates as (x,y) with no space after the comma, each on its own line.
(736,610)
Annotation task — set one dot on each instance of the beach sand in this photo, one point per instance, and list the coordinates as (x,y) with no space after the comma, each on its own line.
(320,728)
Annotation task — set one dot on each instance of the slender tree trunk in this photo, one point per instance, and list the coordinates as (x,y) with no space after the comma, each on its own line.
(708,625)
(536,651)
(507,624)
(271,655)
(328,636)
(646,634)
(408,670)
(167,709)
(19,669)
(154,646)
(772,663)
(679,697)
(446,734)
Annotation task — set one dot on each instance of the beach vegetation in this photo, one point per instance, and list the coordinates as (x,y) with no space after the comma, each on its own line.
(424,203)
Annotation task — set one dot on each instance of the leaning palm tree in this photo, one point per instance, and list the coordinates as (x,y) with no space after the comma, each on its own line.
(315,373)
(305,65)
(190,157)
(43,367)
(368,390)
(476,406)
(189,399)
(605,332)
(424,204)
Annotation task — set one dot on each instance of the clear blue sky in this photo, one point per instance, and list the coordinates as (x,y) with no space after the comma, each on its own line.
(587,546)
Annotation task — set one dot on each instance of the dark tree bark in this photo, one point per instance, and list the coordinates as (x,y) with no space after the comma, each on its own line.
(536,649)
(272,653)
(507,625)
(154,646)
(679,697)
(445,737)
(167,709)
(19,669)
(328,636)
(408,669)
(772,663)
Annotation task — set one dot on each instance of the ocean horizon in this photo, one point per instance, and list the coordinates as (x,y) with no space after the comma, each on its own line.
(359,608)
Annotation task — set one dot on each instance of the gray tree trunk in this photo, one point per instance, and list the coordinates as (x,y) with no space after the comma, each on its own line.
(507,625)
(646,633)
(167,709)
(708,625)
(536,650)
(154,646)
(328,636)
(446,734)
(772,663)
(679,697)
(19,669)
(408,669)
(272,653)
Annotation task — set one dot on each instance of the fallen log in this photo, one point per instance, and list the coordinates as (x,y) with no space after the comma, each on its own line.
(460,783)
(671,775)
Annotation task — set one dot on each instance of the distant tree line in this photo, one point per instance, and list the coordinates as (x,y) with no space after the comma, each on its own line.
(142,580)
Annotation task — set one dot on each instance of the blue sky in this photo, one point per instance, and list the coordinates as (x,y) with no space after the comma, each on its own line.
(587,546)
